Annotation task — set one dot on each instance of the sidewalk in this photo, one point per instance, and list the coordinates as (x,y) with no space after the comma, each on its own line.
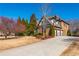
(50,47)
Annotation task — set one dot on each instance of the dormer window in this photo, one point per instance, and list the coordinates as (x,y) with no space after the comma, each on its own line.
(56,22)
(52,21)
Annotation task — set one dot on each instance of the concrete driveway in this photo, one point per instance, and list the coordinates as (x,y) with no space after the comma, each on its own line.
(50,47)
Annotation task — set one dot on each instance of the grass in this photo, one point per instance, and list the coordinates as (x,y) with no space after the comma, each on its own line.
(16,42)
(73,50)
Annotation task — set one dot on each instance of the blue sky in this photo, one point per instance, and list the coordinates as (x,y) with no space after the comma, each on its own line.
(24,10)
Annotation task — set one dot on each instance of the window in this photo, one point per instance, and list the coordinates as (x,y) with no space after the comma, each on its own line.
(65,25)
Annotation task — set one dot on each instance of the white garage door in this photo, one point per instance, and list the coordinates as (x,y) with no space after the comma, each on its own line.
(58,33)
(61,33)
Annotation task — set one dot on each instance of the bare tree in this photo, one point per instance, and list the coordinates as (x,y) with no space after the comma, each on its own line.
(8,26)
(74,24)
(45,10)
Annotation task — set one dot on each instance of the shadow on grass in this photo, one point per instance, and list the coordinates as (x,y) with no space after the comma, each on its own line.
(11,38)
(71,39)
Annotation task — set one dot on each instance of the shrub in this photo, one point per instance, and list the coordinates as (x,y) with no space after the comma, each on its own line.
(19,34)
(69,33)
(52,31)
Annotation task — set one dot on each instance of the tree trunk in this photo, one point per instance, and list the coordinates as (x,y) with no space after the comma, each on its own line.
(5,36)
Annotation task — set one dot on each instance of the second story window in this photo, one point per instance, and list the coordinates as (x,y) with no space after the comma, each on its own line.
(65,24)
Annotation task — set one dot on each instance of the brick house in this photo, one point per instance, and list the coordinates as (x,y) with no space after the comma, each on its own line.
(61,27)
(65,27)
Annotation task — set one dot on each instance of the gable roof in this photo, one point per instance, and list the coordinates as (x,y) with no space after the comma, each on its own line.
(52,17)
(57,18)
(48,21)
(65,22)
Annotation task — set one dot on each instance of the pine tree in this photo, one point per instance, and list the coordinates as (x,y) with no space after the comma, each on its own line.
(33,22)
(26,23)
(23,21)
(19,20)
(69,33)
(27,27)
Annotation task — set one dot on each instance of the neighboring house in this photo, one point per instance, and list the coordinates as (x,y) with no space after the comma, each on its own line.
(61,27)
(76,32)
